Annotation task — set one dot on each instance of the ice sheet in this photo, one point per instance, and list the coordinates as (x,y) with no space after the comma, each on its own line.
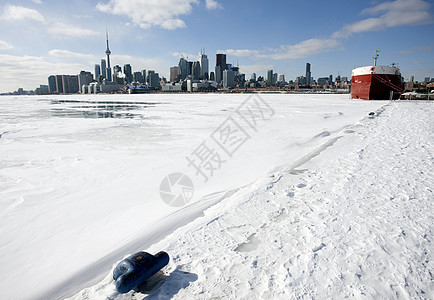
(80,175)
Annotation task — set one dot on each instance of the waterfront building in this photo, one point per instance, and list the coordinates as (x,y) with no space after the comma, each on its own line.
(59,84)
(84,78)
(52,84)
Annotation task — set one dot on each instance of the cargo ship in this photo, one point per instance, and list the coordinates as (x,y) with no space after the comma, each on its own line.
(376,82)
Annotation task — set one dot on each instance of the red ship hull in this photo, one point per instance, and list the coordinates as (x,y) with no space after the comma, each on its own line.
(375,86)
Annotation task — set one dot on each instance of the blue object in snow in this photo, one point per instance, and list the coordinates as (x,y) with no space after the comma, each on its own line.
(136,269)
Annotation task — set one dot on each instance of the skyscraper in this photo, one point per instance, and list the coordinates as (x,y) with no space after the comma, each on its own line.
(195,70)
(270,77)
(97,71)
(220,62)
(103,68)
(228,79)
(182,68)
(144,76)
(308,74)
(204,66)
(274,78)
(128,73)
(173,74)
(137,76)
(218,74)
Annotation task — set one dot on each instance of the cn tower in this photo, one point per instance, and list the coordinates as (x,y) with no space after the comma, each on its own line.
(108,52)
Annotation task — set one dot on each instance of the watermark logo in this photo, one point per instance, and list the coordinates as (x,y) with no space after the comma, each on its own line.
(176,189)
(212,153)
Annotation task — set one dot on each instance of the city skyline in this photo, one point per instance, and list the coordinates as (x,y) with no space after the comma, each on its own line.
(156,37)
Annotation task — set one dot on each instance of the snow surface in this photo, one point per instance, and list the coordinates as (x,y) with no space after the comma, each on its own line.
(320,201)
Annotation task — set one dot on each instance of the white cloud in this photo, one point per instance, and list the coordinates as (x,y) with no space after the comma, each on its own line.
(31,71)
(212,4)
(66,30)
(392,14)
(239,52)
(305,49)
(255,68)
(70,54)
(300,50)
(184,55)
(147,13)
(20,13)
(37,1)
(5,46)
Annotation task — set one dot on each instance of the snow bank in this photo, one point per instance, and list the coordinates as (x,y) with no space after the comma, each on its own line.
(80,175)
(353,218)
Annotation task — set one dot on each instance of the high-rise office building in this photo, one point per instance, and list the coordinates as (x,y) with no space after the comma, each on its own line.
(274,78)
(174,74)
(108,73)
(189,68)
(137,77)
(308,74)
(128,73)
(220,62)
(183,68)
(253,77)
(411,78)
(153,79)
(144,76)
(212,76)
(281,78)
(218,74)
(228,79)
(97,71)
(103,68)
(270,76)
(204,66)
(195,70)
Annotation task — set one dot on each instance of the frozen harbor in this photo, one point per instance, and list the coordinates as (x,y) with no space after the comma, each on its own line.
(311,190)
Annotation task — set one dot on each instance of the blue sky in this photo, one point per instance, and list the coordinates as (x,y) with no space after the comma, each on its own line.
(43,37)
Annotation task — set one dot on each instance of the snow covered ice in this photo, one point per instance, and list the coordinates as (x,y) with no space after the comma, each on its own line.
(322,201)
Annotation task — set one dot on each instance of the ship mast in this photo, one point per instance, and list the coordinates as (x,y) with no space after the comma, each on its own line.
(375,57)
